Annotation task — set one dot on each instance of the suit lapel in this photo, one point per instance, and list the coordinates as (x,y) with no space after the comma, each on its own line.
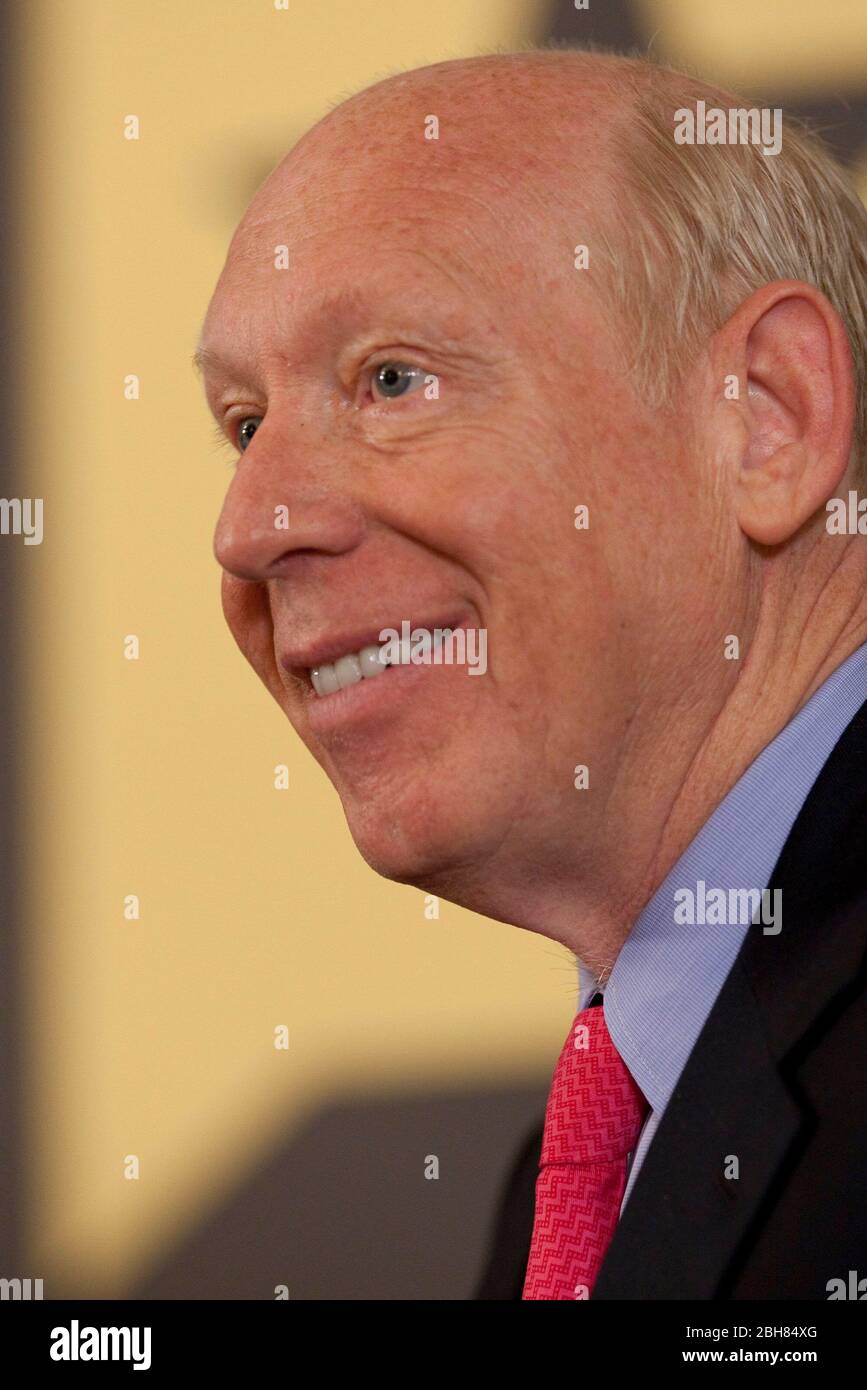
(739,1097)
(685,1219)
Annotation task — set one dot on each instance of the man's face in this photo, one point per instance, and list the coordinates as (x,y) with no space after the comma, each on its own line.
(444,505)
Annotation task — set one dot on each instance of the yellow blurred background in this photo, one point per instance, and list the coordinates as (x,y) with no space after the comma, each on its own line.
(155,777)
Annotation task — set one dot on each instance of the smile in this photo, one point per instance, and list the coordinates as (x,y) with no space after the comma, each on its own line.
(373,661)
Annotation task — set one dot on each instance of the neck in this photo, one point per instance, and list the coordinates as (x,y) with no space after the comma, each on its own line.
(671,782)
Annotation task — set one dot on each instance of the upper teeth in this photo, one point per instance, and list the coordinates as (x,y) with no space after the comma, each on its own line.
(348,670)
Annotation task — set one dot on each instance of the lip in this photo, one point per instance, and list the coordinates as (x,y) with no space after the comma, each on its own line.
(368,698)
(299,661)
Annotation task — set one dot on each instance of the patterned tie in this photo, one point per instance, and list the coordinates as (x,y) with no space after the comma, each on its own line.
(594,1116)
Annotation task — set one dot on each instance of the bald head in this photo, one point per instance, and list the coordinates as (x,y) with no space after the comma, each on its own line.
(530,128)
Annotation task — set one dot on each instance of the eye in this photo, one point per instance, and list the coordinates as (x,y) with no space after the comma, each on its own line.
(246,429)
(392,379)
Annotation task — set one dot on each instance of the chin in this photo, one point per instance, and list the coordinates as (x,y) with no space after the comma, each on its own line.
(392,854)
(421,845)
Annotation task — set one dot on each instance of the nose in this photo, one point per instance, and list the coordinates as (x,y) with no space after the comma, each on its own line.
(280,503)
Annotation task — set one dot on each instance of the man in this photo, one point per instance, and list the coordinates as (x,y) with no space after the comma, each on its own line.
(502,356)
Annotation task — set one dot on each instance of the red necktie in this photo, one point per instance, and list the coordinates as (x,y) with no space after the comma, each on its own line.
(594,1116)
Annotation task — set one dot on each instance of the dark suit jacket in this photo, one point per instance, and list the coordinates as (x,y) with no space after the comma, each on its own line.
(776,1078)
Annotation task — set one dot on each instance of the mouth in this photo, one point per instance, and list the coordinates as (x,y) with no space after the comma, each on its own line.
(369,663)
(366,664)
(345,672)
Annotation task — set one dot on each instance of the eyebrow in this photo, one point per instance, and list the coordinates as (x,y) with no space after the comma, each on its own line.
(335,306)
(203,357)
(344,300)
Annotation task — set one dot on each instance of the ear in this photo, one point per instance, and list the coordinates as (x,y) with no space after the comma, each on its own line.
(799,408)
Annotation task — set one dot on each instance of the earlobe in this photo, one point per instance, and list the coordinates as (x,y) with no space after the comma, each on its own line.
(770,508)
(799,407)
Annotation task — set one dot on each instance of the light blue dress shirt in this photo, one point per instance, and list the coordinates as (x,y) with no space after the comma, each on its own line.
(667,976)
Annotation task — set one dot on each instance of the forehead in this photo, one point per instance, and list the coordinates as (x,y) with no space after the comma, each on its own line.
(367,216)
(338,287)
(360,245)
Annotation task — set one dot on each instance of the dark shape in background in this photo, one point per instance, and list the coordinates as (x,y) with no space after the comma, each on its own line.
(841,121)
(13,566)
(345,1211)
(609,23)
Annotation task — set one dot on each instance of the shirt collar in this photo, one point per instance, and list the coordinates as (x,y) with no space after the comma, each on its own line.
(667,976)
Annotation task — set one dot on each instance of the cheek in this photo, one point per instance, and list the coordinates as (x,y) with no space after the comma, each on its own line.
(248,614)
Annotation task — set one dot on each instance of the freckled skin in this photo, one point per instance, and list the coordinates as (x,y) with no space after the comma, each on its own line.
(604,644)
